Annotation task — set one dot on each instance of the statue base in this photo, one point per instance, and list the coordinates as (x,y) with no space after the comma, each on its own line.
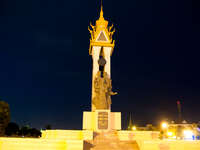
(101,120)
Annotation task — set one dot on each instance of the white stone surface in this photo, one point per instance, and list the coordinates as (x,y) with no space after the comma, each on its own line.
(107,55)
(39,144)
(90,120)
(95,57)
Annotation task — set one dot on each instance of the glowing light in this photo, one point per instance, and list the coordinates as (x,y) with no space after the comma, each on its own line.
(188,134)
(134,128)
(174,137)
(164,125)
(170,134)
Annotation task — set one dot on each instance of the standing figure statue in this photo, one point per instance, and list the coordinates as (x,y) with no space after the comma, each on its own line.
(103,91)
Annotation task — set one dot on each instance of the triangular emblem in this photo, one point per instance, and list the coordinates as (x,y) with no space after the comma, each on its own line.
(102,37)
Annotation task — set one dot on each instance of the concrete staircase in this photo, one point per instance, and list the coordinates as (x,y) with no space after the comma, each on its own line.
(109,141)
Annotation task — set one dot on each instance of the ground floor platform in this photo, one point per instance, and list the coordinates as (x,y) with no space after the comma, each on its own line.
(89,140)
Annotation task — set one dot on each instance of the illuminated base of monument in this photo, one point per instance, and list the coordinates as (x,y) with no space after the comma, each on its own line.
(89,140)
(101,120)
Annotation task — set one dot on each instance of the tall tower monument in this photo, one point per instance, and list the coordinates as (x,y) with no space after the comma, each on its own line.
(101,48)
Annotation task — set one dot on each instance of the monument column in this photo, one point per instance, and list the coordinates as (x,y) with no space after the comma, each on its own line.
(107,55)
(95,58)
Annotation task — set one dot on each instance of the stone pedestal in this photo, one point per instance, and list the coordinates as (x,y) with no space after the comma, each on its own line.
(101,120)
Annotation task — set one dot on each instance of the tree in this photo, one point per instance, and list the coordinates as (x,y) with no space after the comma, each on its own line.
(35,133)
(48,127)
(12,129)
(4,116)
(24,131)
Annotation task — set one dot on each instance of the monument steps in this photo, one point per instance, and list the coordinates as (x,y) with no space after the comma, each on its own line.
(109,141)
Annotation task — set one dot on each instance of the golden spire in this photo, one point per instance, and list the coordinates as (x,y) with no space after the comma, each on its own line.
(101,33)
(101,22)
(101,13)
(130,123)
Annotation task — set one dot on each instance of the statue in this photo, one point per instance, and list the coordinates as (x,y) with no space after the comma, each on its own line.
(103,91)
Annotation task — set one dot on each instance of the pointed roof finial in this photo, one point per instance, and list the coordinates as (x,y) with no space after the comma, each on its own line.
(101,13)
(130,123)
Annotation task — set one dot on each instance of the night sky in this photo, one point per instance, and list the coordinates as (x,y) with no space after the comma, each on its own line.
(45,68)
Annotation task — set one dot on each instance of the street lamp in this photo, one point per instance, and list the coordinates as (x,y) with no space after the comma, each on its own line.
(164,125)
(134,128)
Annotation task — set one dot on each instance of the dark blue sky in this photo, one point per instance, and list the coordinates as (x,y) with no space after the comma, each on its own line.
(45,68)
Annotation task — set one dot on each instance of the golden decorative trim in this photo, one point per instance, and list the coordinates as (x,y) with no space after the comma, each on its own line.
(101,26)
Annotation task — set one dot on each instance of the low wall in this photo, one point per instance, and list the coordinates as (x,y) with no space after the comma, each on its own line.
(39,144)
(68,134)
(168,145)
(125,135)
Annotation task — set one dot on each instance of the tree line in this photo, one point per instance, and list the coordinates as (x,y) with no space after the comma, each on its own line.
(12,129)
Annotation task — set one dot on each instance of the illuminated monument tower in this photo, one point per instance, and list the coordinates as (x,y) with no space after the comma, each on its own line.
(101,48)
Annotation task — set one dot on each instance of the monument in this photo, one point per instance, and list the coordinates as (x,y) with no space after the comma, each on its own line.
(101,48)
(101,126)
